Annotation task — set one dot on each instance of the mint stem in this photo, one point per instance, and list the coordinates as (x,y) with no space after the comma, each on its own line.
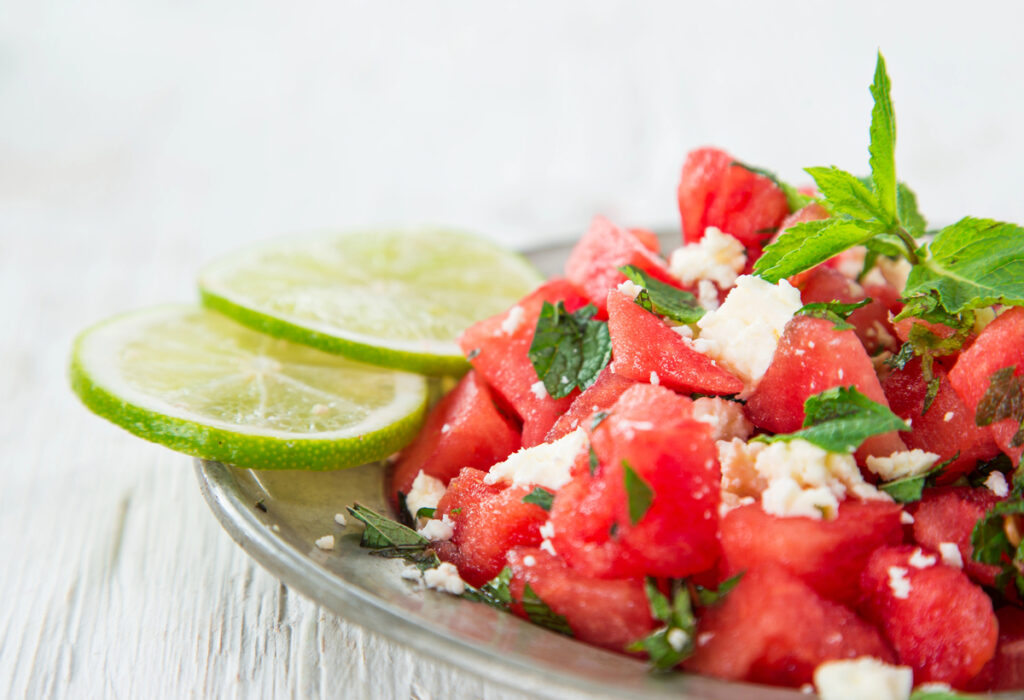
(909,242)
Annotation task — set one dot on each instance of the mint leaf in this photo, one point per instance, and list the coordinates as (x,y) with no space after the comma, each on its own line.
(972,264)
(834,311)
(840,419)
(495,592)
(426,512)
(664,299)
(1004,398)
(906,208)
(807,244)
(592,461)
(540,497)
(540,614)
(382,532)
(991,544)
(909,489)
(794,199)
(674,642)
(569,350)
(882,147)
(639,494)
(661,608)
(597,419)
(709,596)
(846,194)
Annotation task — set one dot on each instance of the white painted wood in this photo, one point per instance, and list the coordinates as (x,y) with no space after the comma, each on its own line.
(138,139)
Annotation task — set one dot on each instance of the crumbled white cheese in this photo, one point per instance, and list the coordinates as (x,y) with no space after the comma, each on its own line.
(340,519)
(539,390)
(445,577)
(630,288)
(677,638)
(411,573)
(684,330)
(726,418)
(438,530)
(899,584)
(906,518)
(743,333)
(513,320)
(902,464)
(546,546)
(426,492)
(996,483)
(950,554)
(655,379)
(718,257)
(707,295)
(547,530)
(948,416)
(445,429)
(704,637)
(934,688)
(864,678)
(920,560)
(326,542)
(547,464)
(529,560)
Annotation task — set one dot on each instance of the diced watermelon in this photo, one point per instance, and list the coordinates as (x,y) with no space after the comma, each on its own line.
(773,628)
(646,350)
(596,532)
(939,623)
(811,357)
(827,555)
(1000,345)
(464,429)
(947,428)
(599,396)
(871,322)
(498,349)
(949,515)
(648,239)
(715,192)
(1006,669)
(488,521)
(594,262)
(611,613)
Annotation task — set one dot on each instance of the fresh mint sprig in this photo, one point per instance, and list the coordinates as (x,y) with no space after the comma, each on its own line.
(674,641)
(569,350)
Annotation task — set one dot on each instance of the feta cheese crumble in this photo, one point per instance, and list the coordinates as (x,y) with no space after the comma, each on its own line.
(677,638)
(726,418)
(655,379)
(744,331)
(864,678)
(948,416)
(630,288)
(529,560)
(717,257)
(950,554)
(326,542)
(899,584)
(340,519)
(996,483)
(707,295)
(920,560)
(438,530)
(513,320)
(426,492)
(906,518)
(538,389)
(546,465)
(445,577)
(902,464)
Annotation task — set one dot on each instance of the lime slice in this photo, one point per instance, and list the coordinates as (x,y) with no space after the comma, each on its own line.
(395,299)
(199,383)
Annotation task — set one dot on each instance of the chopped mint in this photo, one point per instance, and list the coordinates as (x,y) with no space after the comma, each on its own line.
(495,592)
(426,512)
(391,539)
(992,545)
(709,596)
(834,311)
(639,493)
(664,299)
(1004,398)
(540,497)
(569,350)
(540,614)
(675,640)
(592,461)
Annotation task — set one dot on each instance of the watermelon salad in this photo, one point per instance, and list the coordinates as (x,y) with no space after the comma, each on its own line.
(785,452)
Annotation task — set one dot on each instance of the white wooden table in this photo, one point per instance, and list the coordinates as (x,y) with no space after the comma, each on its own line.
(139,139)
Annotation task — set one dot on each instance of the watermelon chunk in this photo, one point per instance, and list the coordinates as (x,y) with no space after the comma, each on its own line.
(594,262)
(1000,345)
(595,530)
(939,623)
(646,350)
(715,192)
(464,429)
(773,628)
(599,396)
(947,428)
(949,515)
(611,613)
(1006,669)
(488,521)
(498,349)
(811,357)
(827,555)
(871,322)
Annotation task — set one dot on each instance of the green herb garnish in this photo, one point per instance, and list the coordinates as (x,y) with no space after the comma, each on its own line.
(664,299)
(569,350)
(992,545)
(540,497)
(639,494)
(834,311)
(910,488)
(1004,398)
(495,592)
(391,539)
(709,596)
(675,640)
(540,614)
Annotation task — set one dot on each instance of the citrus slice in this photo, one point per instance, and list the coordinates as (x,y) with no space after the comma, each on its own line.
(395,298)
(199,383)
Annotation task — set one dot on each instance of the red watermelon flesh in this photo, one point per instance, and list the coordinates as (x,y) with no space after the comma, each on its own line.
(599,396)
(464,429)
(811,357)
(714,192)
(598,534)
(871,322)
(646,350)
(498,349)
(1000,345)
(827,555)
(1006,669)
(949,515)
(594,262)
(488,521)
(947,428)
(611,613)
(648,239)
(773,628)
(944,628)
